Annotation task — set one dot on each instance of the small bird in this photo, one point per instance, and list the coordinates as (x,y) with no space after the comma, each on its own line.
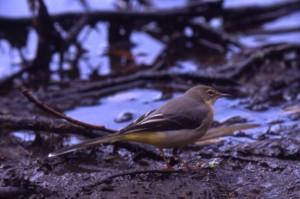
(181,121)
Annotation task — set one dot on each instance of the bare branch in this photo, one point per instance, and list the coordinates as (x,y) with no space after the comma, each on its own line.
(49,109)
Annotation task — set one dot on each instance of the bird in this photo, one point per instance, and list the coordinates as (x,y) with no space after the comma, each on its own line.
(180,121)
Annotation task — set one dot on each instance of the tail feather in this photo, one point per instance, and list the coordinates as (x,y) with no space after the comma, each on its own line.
(95,141)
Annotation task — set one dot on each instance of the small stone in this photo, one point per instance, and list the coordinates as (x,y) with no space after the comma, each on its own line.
(124,117)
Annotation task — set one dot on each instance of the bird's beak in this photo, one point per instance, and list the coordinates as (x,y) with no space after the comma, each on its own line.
(225,95)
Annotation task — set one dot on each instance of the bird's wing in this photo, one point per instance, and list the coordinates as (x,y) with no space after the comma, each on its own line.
(172,116)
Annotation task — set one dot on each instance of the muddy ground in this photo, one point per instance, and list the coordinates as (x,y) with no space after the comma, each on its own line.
(263,80)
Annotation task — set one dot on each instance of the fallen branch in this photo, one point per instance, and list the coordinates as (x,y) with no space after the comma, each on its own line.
(46,124)
(50,110)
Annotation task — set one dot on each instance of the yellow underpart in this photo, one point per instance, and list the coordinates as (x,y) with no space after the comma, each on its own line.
(153,138)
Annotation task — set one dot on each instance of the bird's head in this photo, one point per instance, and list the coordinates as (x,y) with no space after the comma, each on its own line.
(207,93)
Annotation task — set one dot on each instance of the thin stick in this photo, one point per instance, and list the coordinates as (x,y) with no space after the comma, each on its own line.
(49,109)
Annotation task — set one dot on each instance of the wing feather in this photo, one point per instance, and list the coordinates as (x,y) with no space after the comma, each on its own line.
(174,115)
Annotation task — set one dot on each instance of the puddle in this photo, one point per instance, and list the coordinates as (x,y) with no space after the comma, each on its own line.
(25,136)
(227,108)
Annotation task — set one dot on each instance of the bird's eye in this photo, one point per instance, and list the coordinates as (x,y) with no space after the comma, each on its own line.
(210,92)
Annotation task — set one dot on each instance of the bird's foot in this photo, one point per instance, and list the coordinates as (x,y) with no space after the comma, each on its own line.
(191,167)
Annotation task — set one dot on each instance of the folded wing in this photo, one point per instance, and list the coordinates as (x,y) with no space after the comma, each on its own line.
(174,115)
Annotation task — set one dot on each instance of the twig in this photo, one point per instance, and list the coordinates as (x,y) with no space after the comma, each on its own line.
(49,109)
(46,124)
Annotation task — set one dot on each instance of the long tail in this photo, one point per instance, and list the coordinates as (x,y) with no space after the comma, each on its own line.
(95,141)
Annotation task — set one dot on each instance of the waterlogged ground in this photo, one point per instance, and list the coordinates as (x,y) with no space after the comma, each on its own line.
(262,162)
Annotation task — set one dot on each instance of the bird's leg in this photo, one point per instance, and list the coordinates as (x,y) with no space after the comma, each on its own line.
(166,160)
(182,162)
(192,167)
(176,155)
